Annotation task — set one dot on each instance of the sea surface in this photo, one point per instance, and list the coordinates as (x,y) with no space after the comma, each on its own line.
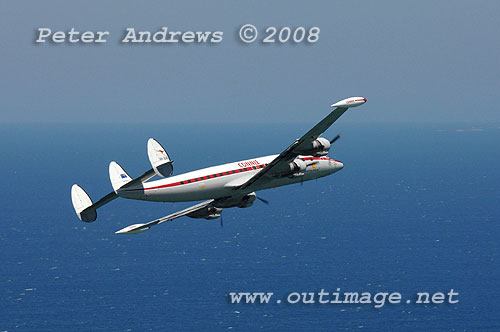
(416,208)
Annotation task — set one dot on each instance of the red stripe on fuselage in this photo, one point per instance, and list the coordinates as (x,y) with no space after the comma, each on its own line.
(216,175)
(203,178)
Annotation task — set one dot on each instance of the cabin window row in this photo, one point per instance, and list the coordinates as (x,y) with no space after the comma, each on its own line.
(211,176)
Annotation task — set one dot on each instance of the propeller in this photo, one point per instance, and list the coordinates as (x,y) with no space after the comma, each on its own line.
(263,200)
(335,139)
(221,221)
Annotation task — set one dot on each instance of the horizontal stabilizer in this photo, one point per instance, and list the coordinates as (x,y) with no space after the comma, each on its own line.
(121,180)
(84,208)
(159,159)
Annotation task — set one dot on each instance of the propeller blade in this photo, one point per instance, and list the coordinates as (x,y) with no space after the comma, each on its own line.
(335,139)
(221,221)
(263,200)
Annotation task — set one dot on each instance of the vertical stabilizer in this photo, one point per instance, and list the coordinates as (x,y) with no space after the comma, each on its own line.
(159,159)
(82,204)
(118,176)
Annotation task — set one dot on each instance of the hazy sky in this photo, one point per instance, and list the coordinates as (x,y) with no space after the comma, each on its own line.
(413,60)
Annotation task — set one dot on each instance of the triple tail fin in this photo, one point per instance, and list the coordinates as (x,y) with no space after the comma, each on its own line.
(161,166)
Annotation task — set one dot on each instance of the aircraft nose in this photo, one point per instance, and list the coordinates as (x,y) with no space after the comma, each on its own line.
(340,165)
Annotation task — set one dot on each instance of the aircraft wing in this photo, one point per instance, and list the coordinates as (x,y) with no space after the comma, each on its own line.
(139,228)
(290,153)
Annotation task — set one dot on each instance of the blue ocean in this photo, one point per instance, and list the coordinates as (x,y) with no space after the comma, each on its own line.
(415,209)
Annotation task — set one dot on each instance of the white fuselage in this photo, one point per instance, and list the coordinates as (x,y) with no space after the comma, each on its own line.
(220,181)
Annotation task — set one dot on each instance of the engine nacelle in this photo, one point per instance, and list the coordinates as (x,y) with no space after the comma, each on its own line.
(210,212)
(318,147)
(322,146)
(247,201)
(297,167)
(241,202)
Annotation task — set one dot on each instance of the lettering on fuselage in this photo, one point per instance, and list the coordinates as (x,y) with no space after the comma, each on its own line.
(248,163)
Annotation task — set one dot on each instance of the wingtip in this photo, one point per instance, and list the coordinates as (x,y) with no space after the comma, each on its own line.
(350,102)
(133,229)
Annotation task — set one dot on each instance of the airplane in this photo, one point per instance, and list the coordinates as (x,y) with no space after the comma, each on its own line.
(223,186)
